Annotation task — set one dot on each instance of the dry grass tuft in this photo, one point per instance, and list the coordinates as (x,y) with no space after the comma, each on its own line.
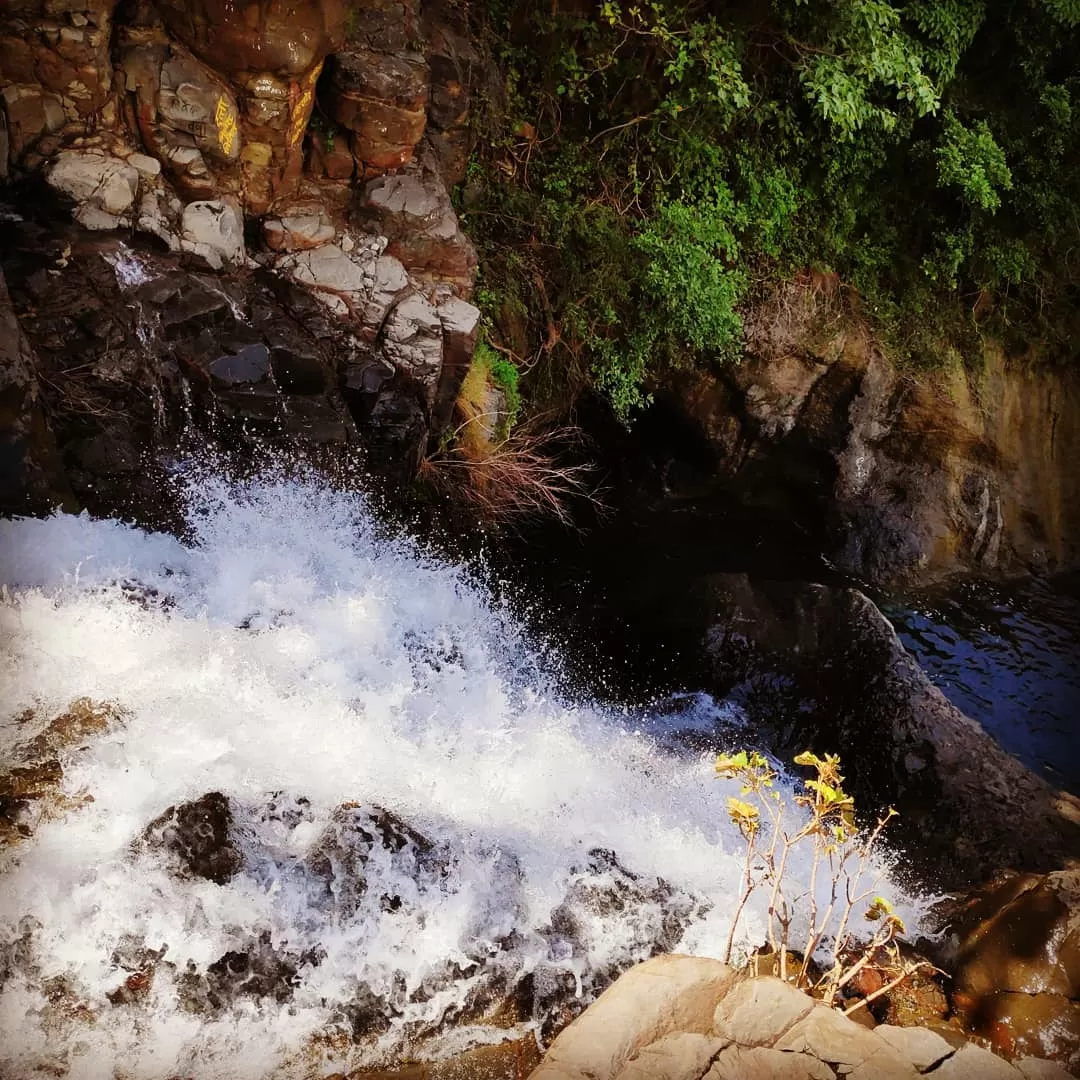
(523,478)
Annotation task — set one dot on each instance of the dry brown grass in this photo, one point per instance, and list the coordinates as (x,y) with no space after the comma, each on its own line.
(525,477)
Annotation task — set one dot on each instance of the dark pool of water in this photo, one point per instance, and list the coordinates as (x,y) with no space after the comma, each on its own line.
(1009,657)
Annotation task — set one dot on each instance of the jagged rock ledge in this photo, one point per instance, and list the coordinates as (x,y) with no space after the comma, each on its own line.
(226,162)
(686,1018)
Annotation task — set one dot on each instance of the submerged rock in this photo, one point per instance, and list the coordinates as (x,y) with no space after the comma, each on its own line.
(258,971)
(199,835)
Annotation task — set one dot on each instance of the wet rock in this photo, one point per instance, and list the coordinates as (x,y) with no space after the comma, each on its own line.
(200,836)
(17,950)
(82,719)
(283,40)
(299,232)
(368,1014)
(330,157)
(381,98)
(258,971)
(652,915)
(20,789)
(855,691)
(339,860)
(214,230)
(55,67)
(314,420)
(251,364)
(1016,968)
(31,472)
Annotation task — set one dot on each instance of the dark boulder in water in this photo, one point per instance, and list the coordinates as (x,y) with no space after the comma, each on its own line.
(199,834)
(259,971)
(967,808)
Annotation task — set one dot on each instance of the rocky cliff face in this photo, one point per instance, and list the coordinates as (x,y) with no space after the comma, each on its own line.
(270,182)
(906,478)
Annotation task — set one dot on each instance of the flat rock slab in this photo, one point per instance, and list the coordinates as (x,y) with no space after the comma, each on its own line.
(763,1063)
(919,1046)
(759,1011)
(830,1036)
(1039,1069)
(685,1056)
(972,1062)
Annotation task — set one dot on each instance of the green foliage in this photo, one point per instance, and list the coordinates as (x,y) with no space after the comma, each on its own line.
(969,159)
(505,376)
(641,166)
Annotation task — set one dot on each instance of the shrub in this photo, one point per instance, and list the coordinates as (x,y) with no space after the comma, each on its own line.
(840,858)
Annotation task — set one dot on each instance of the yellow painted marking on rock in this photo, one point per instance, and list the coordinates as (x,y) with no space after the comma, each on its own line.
(225,120)
(302,108)
(300,116)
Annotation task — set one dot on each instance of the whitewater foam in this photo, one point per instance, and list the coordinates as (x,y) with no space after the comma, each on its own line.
(288,646)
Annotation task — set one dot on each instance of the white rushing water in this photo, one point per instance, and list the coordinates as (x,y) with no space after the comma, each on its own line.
(288,648)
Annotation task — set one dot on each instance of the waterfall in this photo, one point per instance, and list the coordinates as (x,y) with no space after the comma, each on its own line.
(421,816)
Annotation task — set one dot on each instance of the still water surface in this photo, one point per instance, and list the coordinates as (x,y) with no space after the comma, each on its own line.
(1008,655)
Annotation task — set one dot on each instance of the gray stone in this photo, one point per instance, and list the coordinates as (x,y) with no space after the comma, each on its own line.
(214,230)
(972,1062)
(145,164)
(250,365)
(759,1011)
(763,1063)
(886,1064)
(684,1056)
(95,180)
(298,232)
(414,340)
(922,1047)
(94,218)
(407,196)
(459,316)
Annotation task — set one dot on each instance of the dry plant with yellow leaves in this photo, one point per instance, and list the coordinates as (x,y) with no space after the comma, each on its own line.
(840,858)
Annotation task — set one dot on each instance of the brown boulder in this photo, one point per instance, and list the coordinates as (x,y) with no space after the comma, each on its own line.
(382,99)
(904,480)
(283,38)
(413,211)
(1017,966)
(57,55)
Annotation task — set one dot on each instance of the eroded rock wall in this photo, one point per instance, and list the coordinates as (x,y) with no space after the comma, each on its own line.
(289,150)
(906,476)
